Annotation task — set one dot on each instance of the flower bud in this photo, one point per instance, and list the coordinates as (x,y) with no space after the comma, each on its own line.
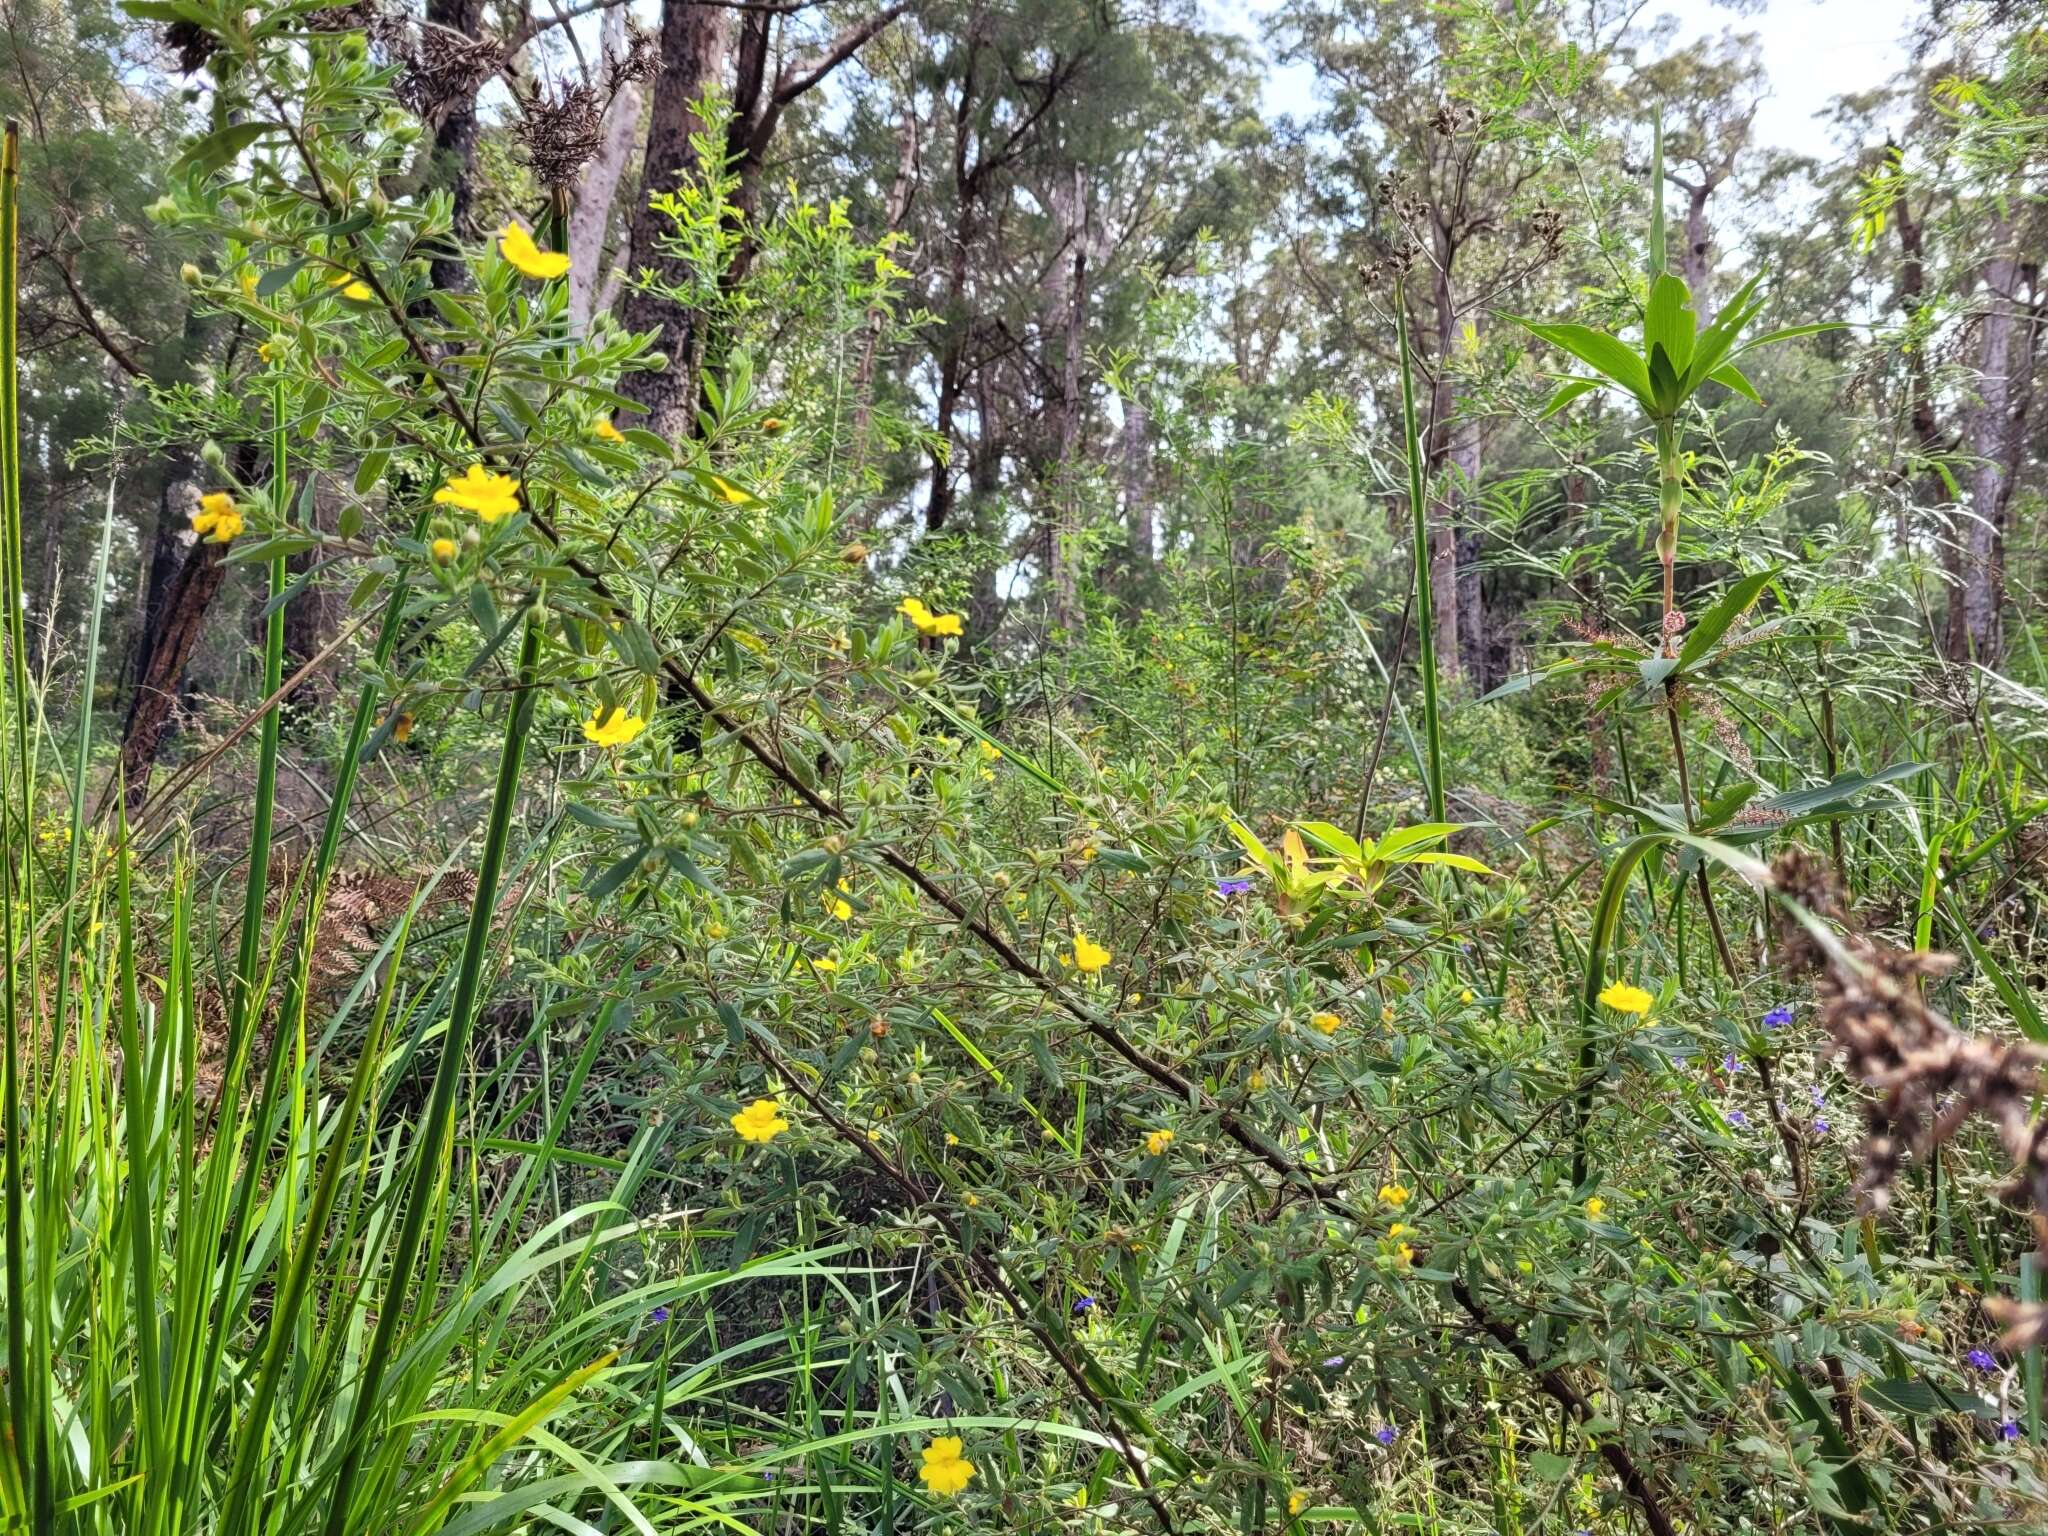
(212,455)
(190,275)
(854,553)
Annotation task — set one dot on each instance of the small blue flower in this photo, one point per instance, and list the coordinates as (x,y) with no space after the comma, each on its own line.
(1820,1127)
(1819,1098)
(1334,1363)
(1084,1304)
(1237,885)
(658,1315)
(1730,1065)
(1737,1119)
(1778,1017)
(2009,1430)
(1386,1434)
(1982,1359)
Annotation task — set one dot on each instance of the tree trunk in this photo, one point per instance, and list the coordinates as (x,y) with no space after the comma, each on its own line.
(1975,612)
(693,38)
(1064,313)
(454,159)
(1141,512)
(1927,438)
(1699,240)
(590,213)
(174,632)
(901,194)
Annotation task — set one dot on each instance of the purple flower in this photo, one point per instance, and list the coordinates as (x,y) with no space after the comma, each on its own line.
(1730,1065)
(2009,1430)
(1737,1119)
(1084,1304)
(1778,1017)
(658,1315)
(1236,885)
(1334,1363)
(1820,1127)
(1386,1434)
(1982,1359)
(1819,1099)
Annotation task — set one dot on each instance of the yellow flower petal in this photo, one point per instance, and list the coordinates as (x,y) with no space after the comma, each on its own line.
(612,729)
(761,1121)
(490,496)
(1089,956)
(1623,998)
(517,247)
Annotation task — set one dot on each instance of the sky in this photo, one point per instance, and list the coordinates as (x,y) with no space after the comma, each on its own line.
(1814,51)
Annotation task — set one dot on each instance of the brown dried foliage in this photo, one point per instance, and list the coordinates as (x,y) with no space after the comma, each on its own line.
(1928,1077)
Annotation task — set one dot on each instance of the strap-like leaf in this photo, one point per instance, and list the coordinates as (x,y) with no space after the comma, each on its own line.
(1733,604)
(1669,322)
(1731,377)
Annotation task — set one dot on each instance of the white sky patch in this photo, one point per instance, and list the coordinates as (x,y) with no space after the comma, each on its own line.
(1813,52)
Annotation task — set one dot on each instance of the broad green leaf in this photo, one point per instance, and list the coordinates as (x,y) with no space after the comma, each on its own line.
(221,146)
(1732,605)
(1731,377)
(1669,321)
(1610,357)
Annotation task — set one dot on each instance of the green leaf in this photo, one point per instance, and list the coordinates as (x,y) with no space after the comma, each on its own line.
(1731,377)
(277,277)
(1733,604)
(1840,792)
(1610,357)
(221,146)
(1787,332)
(1669,322)
(1567,392)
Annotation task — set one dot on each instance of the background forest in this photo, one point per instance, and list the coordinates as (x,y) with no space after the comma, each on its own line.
(882,766)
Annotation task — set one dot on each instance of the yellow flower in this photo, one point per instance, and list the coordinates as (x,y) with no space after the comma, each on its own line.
(1297,1501)
(401,728)
(1623,998)
(731,492)
(218,517)
(1404,1254)
(444,550)
(972,1199)
(1399,1229)
(490,496)
(714,930)
(604,429)
(1594,1207)
(1257,1081)
(1395,1195)
(352,287)
(952,1140)
(1089,956)
(612,729)
(841,907)
(1328,1023)
(1465,996)
(991,751)
(928,623)
(760,1121)
(248,281)
(945,1471)
(1158,1141)
(517,247)
(825,963)
(1387,1014)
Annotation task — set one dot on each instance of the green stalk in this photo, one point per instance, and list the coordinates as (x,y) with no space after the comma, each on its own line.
(256,1417)
(432,1140)
(26,1455)
(1670,490)
(1425,607)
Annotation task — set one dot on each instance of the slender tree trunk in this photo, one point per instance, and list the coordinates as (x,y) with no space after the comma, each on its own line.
(454,159)
(693,43)
(902,192)
(590,212)
(1141,511)
(1693,265)
(1927,438)
(1063,316)
(1975,613)
(175,636)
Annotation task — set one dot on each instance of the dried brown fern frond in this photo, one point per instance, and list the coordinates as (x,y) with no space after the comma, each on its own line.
(1929,1077)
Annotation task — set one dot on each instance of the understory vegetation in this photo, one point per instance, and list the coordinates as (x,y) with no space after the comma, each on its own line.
(874,768)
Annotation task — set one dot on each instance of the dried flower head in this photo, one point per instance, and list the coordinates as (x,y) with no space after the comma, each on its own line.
(1928,1076)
